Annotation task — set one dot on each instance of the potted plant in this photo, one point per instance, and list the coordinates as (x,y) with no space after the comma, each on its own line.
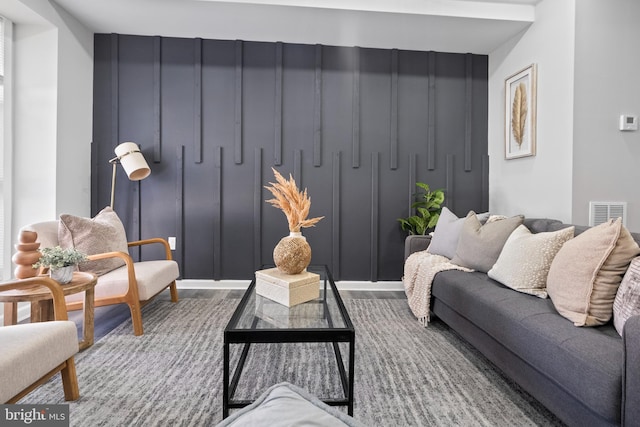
(428,208)
(60,262)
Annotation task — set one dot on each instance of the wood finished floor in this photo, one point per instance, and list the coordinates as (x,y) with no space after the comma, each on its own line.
(107,318)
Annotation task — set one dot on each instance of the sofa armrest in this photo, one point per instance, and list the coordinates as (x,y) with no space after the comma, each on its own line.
(415,243)
(631,373)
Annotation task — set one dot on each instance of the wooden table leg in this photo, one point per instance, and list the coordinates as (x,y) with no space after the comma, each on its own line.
(87,325)
(42,311)
(10,313)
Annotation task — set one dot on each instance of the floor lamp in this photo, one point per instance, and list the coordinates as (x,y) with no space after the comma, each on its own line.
(135,166)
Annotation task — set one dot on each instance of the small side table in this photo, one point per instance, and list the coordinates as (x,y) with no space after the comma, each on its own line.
(42,303)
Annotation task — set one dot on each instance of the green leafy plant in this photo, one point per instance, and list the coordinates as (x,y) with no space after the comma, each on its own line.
(58,257)
(428,207)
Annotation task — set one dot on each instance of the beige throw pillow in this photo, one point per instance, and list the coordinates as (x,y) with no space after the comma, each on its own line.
(103,233)
(525,259)
(585,274)
(479,245)
(627,302)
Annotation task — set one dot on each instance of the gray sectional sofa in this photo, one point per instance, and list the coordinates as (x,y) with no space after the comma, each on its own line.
(587,376)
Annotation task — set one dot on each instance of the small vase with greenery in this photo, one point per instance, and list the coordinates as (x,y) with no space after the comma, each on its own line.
(60,262)
(428,207)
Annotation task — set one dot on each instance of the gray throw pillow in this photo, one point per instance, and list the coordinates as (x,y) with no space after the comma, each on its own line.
(480,245)
(445,237)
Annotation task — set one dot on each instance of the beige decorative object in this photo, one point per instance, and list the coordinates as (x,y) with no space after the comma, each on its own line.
(292,254)
(519,113)
(585,274)
(627,301)
(287,289)
(27,254)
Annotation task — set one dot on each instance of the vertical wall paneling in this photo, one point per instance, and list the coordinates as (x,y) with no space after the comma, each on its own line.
(335,217)
(297,168)
(343,118)
(485,183)
(413,165)
(237,153)
(257,208)
(179,253)
(157,110)
(217,213)
(431,115)
(467,110)
(197,101)
(355,111)
(317,109)
(115,92)
(393,143)
(277,148)
(375,214)
(449,184)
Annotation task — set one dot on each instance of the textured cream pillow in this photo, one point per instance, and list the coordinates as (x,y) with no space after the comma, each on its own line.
(627,302)
(525,259)
(104,233)
(585,274)
(479,245)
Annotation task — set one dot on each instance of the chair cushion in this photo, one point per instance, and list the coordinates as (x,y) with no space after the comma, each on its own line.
(31,350)
(152,277)
(284,405)
(103,233)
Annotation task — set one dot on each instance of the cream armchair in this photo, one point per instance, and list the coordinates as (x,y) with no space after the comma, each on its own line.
(134,284)
(32,353)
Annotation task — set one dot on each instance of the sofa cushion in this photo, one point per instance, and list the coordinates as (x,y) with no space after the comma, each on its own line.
(627,301)
(479,245)
(585,274)
(525,259)
(445,237)
(586,362)
(103,233)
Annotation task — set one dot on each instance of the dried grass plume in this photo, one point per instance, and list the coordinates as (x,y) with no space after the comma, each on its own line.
(294,203)
(519,113)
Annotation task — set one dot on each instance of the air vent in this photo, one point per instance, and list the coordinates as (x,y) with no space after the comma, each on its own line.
(600,212)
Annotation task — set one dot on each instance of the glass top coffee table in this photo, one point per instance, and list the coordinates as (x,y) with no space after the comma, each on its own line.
(260,320)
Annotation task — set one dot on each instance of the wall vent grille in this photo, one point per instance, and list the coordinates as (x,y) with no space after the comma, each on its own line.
(600,212)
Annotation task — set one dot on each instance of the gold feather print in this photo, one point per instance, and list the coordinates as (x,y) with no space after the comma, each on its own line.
(519,113)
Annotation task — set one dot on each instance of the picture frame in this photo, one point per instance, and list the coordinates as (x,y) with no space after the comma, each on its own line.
(520,113)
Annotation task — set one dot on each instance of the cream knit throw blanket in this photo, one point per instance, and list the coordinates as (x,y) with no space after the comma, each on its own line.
(419,270)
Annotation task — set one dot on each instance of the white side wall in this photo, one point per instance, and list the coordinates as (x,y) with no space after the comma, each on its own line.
(607,84)
(538,186)
(53,116)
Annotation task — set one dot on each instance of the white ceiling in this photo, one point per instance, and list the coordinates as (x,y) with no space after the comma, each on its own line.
(476,26)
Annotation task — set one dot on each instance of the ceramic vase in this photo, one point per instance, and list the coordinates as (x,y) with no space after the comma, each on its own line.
(27,254)
(62,275)
(292,254)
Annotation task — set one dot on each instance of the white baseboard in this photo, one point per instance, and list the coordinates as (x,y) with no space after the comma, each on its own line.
(24,309)
(244,284)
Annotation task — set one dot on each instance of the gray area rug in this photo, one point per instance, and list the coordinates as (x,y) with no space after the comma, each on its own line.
(406,375)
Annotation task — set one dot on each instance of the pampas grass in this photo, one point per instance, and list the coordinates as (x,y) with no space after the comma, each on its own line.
(295,204)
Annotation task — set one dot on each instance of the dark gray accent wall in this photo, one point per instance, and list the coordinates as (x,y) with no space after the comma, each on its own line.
(356,126)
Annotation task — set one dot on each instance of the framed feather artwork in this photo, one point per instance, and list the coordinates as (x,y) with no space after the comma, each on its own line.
(520,113)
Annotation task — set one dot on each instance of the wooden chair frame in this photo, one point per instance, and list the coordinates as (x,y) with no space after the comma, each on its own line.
(67,368)
(131,298)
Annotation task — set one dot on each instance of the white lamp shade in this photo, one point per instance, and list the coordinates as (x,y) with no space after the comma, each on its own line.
(132,161)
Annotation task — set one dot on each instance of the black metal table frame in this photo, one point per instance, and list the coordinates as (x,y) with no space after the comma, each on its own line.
(302,335)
